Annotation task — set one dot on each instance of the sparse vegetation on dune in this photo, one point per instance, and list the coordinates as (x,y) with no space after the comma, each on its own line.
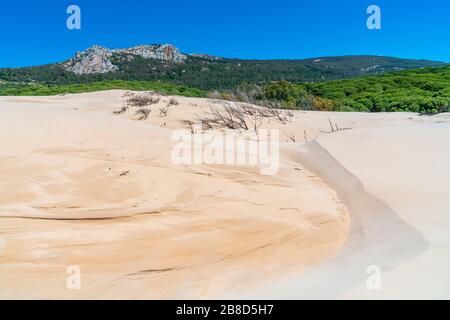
(164,111)
(173,102)
(240,116)
(121,110)
(143,113)
(142,100)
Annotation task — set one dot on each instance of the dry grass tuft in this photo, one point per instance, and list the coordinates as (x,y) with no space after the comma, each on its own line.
(120,111)
(143,113)
(142,100)
(173,102)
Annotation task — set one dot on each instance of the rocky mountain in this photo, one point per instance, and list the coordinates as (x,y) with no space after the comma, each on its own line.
(98,59)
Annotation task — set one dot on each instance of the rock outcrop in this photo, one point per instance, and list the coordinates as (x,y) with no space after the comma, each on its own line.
(164,52)
(97,59)
(93,60)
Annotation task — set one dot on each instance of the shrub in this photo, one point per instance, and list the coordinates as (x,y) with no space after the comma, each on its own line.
(321,104)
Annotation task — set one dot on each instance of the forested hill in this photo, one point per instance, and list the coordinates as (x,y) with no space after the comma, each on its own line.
(349,83)
(424,90)
(166,63)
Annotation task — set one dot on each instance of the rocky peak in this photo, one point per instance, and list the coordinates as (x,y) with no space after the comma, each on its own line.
(95,50)
(94,60)
(97,59)
(166,52)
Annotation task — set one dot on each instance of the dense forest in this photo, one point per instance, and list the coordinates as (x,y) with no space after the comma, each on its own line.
(218,74)
(424,90)
(420,90)
(313,84)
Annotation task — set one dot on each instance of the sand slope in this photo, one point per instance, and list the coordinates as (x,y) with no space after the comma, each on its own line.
(158,231)
(396,184)
(415,161)
(83,187)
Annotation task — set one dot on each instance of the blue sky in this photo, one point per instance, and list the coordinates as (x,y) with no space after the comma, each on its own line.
(34,32)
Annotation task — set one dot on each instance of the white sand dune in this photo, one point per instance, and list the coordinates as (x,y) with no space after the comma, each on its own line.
(396,184)
(80,186)
(159,231)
